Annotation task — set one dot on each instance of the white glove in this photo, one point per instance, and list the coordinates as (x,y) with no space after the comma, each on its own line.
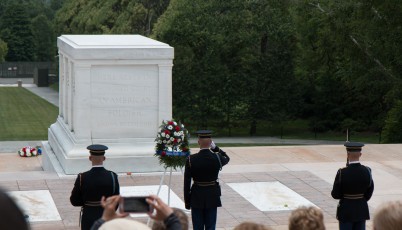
(213,146)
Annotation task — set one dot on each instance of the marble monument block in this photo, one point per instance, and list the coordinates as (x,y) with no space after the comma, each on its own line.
(114,90)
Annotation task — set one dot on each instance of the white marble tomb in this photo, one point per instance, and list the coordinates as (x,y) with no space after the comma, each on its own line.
(114,90)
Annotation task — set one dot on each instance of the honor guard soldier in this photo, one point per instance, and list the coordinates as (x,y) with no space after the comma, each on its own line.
(90,186)
(353,186)
(203,196)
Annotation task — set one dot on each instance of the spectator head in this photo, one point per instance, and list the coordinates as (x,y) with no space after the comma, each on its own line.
(123,224)
(11,216)
(306,218)
(251,226)
(388,216)
(159,225)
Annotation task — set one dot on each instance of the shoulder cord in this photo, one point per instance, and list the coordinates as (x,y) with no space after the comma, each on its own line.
(82,207)
(219,159)
(220,164)
(114,188)
(80,180)
(371,178)
(189,161)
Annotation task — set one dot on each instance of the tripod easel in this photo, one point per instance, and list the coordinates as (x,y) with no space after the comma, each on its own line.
(169,184)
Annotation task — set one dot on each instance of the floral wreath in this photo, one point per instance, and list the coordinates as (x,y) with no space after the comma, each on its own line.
(172,146)
(29,151)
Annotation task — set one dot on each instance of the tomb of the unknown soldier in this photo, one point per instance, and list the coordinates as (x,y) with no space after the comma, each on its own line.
(114,90)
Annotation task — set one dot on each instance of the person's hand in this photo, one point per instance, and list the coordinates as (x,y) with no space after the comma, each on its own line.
(109,208)
(162,209)
(213,146)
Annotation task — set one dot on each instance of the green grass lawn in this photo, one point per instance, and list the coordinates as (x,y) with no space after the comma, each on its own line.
(24,115)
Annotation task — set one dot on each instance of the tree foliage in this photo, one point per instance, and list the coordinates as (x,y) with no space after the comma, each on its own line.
(393,125)
(347,59)
(3,50)
(109,16)
(235,56)
(16,32)
(43,35)
(26,25)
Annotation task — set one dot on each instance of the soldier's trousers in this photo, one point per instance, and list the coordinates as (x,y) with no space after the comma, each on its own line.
(358,225)
(204,218)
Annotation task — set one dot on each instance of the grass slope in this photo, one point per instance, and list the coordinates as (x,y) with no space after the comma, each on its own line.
(24,115)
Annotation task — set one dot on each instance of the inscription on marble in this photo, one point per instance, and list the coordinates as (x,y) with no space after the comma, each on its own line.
(124,101)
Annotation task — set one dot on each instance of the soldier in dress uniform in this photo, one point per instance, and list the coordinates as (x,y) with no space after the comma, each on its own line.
(90,186)
(353,186)
(203,196)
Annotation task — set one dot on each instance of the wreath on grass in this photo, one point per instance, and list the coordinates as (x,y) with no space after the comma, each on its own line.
(172,146)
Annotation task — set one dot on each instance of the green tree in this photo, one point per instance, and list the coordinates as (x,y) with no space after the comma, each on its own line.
(109,16)
(393,125)
(235,56)
(42,31)
(347,48)
(43,37)
(203,79)
(16,32)
(267,92)
(3,50)
(55,5)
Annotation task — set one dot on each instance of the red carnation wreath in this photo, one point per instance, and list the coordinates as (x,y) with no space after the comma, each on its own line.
(172,146)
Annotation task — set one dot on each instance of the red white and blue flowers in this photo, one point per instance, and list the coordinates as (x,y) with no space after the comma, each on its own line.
(29,151)
(172,144)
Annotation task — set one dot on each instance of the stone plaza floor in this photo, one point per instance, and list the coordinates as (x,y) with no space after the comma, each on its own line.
(261,184)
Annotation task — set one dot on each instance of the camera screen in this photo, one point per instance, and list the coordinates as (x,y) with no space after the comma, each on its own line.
(135,204)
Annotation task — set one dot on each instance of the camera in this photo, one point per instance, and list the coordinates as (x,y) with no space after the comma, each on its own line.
(134,204)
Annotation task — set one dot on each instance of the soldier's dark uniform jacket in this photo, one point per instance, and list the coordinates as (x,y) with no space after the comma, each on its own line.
(353,186)
(89,187)
(203,168)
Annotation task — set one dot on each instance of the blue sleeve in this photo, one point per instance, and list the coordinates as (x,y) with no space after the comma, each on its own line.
(97,224)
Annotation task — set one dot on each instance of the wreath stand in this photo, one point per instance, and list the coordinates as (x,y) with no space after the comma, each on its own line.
(170,179)
(161,184)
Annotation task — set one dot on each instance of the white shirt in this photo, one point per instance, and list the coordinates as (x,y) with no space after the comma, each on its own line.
(97,166)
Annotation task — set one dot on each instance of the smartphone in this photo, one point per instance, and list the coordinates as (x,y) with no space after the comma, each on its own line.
(134,204)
